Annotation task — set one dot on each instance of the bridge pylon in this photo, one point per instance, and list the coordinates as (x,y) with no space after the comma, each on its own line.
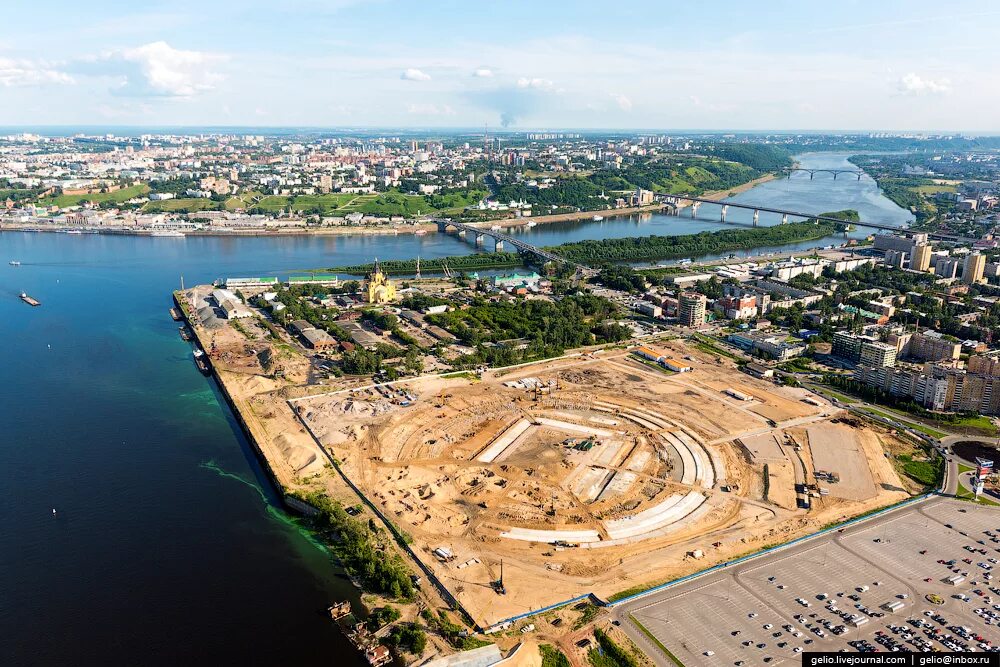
(756,216)
(725,210)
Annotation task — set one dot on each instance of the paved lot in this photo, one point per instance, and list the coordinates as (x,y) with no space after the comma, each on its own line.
(860,569)
(763,447)
(835,448)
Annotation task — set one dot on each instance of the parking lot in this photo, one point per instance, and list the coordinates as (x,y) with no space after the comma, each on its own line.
(865,587)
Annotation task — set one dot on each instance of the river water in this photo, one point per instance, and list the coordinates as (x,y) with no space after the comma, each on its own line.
(822,194)
(167,543)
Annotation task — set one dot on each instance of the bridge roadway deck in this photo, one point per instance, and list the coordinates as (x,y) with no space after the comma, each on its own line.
(520,244)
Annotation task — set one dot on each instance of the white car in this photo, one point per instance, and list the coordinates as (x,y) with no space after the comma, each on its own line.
(709,653)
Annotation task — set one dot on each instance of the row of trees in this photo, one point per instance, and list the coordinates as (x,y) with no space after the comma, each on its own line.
(649,248)
(505,333)
(361,548)
(474,262)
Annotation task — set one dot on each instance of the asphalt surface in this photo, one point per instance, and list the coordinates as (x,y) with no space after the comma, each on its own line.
(899,549)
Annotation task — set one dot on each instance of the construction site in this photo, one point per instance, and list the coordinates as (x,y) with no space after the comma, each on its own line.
(599,474)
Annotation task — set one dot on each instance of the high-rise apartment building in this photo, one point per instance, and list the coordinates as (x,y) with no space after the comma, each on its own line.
(692,309)
(920,257)
(974,268)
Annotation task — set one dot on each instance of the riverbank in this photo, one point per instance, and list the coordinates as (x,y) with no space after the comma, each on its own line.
(716,195)
(381,230)
(393,229)
(275,232)
(617,250)
(256,384)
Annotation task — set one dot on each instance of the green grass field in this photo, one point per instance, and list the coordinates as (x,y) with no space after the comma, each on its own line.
(183,205)
(708,345)
(843,398)
(933,189)
(75,200)
(979,423)
(966,494)
(915,425)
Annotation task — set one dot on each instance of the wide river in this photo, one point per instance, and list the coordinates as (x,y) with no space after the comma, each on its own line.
(167,544)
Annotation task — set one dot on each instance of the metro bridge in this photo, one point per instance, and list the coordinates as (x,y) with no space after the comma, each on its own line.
(812,172)
(478,235)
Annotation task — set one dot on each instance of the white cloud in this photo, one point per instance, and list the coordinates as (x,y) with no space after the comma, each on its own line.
(624,103)
(912,84)
(483,73)
(430,110)
(710,106)
(536,83)
(29,73)
(157,70)
(413,74)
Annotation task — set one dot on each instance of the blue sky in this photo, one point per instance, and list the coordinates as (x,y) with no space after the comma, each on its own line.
(845,64)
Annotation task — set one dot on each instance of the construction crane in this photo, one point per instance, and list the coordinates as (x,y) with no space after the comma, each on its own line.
(497,585)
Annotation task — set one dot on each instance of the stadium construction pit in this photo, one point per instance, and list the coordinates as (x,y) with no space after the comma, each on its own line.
(586,475)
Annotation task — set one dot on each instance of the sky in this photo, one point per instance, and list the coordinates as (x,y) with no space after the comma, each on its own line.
(847,65)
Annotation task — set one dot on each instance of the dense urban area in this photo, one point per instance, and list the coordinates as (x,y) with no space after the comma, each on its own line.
(521,454)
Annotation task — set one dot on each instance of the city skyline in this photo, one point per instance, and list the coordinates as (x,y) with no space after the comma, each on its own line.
(845,67)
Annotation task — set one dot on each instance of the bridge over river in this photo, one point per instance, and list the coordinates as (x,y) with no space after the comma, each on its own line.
(500,239)
(675,202)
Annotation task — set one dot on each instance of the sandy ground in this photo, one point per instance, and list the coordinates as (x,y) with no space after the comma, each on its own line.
(421,465)
(837,448)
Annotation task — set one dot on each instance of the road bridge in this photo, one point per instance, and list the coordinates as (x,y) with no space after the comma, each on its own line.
(812,172)
(501,239)
(676,200)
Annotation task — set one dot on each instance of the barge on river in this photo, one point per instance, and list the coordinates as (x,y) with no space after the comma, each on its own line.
(201,361)
(30,301)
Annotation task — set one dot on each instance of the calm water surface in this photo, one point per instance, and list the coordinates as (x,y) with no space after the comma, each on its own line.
(167,543)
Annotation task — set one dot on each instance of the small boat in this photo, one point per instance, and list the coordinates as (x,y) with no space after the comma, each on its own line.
(339,610)
(530,223)
(14,262)
(420,232)
(185,334)
(28,300)
(200,360)
(598,218)
(168,233)
(176,315)
(75,231)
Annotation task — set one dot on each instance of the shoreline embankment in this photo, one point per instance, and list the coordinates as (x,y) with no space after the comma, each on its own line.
(421,227)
